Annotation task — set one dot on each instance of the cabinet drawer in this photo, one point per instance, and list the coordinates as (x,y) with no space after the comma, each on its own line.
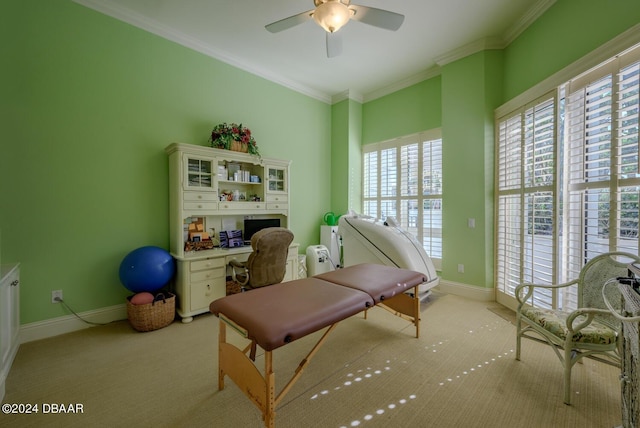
(201,196)
(200,205)
(249,206)
(277,206)
(208,275)
(205,292)
(277,197)
(207,264)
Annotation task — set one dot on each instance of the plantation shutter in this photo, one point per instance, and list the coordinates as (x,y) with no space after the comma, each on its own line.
(370,183)
(432,197)
(526,200)
(403,179)
(628,136)
(509,210)
(602,153)
(409,173)
(388,182)
(565,197)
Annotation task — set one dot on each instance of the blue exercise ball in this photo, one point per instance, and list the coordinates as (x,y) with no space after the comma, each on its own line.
(147,269)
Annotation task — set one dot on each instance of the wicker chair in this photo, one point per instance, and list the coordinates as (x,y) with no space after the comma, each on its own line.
(589,331)
(267,263)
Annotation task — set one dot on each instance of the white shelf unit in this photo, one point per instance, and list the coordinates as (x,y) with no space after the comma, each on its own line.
(220,188)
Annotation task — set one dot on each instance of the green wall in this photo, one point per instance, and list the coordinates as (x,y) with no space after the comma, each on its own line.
(467,152)
(407,111)
(88,106)
(566,32)
(89,103)
(462,100)
(346,157)
(338,177)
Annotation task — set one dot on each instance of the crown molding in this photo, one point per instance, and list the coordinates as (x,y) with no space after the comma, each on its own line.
(470,49)
(405,83)
(347,94)
(152,26)
(527,19)
(484,44)
(607,50)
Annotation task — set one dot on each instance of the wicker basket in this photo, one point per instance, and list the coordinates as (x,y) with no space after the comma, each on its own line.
(239,146)
(152,316)
(233,288)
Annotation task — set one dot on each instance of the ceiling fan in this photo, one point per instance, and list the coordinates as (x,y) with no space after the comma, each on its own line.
(334,14)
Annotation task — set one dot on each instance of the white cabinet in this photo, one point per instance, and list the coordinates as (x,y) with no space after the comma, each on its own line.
(198,283)
(200,201)
(9,319)
(212,190)
(240,180)
(277,187)
(277,177)
(199,173)
(202,277)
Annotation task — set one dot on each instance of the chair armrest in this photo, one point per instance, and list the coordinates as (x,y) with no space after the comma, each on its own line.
(590,314)
(239,268)
(530,287)
(236,264)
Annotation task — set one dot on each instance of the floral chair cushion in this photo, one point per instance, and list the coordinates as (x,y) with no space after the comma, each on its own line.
(556,323)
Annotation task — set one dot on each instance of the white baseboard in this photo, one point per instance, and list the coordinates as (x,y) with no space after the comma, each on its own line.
(469,291)
(68,323)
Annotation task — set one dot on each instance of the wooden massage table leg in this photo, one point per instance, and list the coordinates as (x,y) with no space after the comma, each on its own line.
(406,307)
(238,366)
(403,306)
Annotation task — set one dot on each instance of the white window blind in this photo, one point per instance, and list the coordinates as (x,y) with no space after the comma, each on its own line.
(602,145)
(526,194)
(577,152)
(432,197)
(409,170)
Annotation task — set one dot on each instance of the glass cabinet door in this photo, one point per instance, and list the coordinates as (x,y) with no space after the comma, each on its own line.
(198,173)
(276,179)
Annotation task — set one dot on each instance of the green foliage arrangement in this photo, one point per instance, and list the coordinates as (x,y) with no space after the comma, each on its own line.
(224,135)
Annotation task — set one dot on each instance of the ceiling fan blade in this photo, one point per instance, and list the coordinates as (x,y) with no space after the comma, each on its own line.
(334,44)
(286,23)
(377,17)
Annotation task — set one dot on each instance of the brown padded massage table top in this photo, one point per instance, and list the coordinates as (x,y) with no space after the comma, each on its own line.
(279,314)
(379,281)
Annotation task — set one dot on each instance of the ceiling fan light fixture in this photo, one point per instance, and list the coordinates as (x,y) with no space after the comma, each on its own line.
(332,15)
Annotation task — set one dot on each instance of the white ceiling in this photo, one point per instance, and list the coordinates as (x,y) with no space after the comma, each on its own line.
(373,62)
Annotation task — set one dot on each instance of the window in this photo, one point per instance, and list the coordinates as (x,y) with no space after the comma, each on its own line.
(526,194)
(403,179)
(568,179)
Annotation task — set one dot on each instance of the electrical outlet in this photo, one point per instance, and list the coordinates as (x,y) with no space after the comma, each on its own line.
(56,296)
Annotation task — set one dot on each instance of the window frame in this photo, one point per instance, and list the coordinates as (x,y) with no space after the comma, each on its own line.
(581,169)
(383,193)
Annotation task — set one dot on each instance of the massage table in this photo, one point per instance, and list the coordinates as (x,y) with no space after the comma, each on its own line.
(273,316)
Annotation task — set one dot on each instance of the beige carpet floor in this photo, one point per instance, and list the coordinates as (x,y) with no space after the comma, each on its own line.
(461,372)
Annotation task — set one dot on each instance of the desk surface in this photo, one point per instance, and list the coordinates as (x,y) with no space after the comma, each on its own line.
(220,252)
